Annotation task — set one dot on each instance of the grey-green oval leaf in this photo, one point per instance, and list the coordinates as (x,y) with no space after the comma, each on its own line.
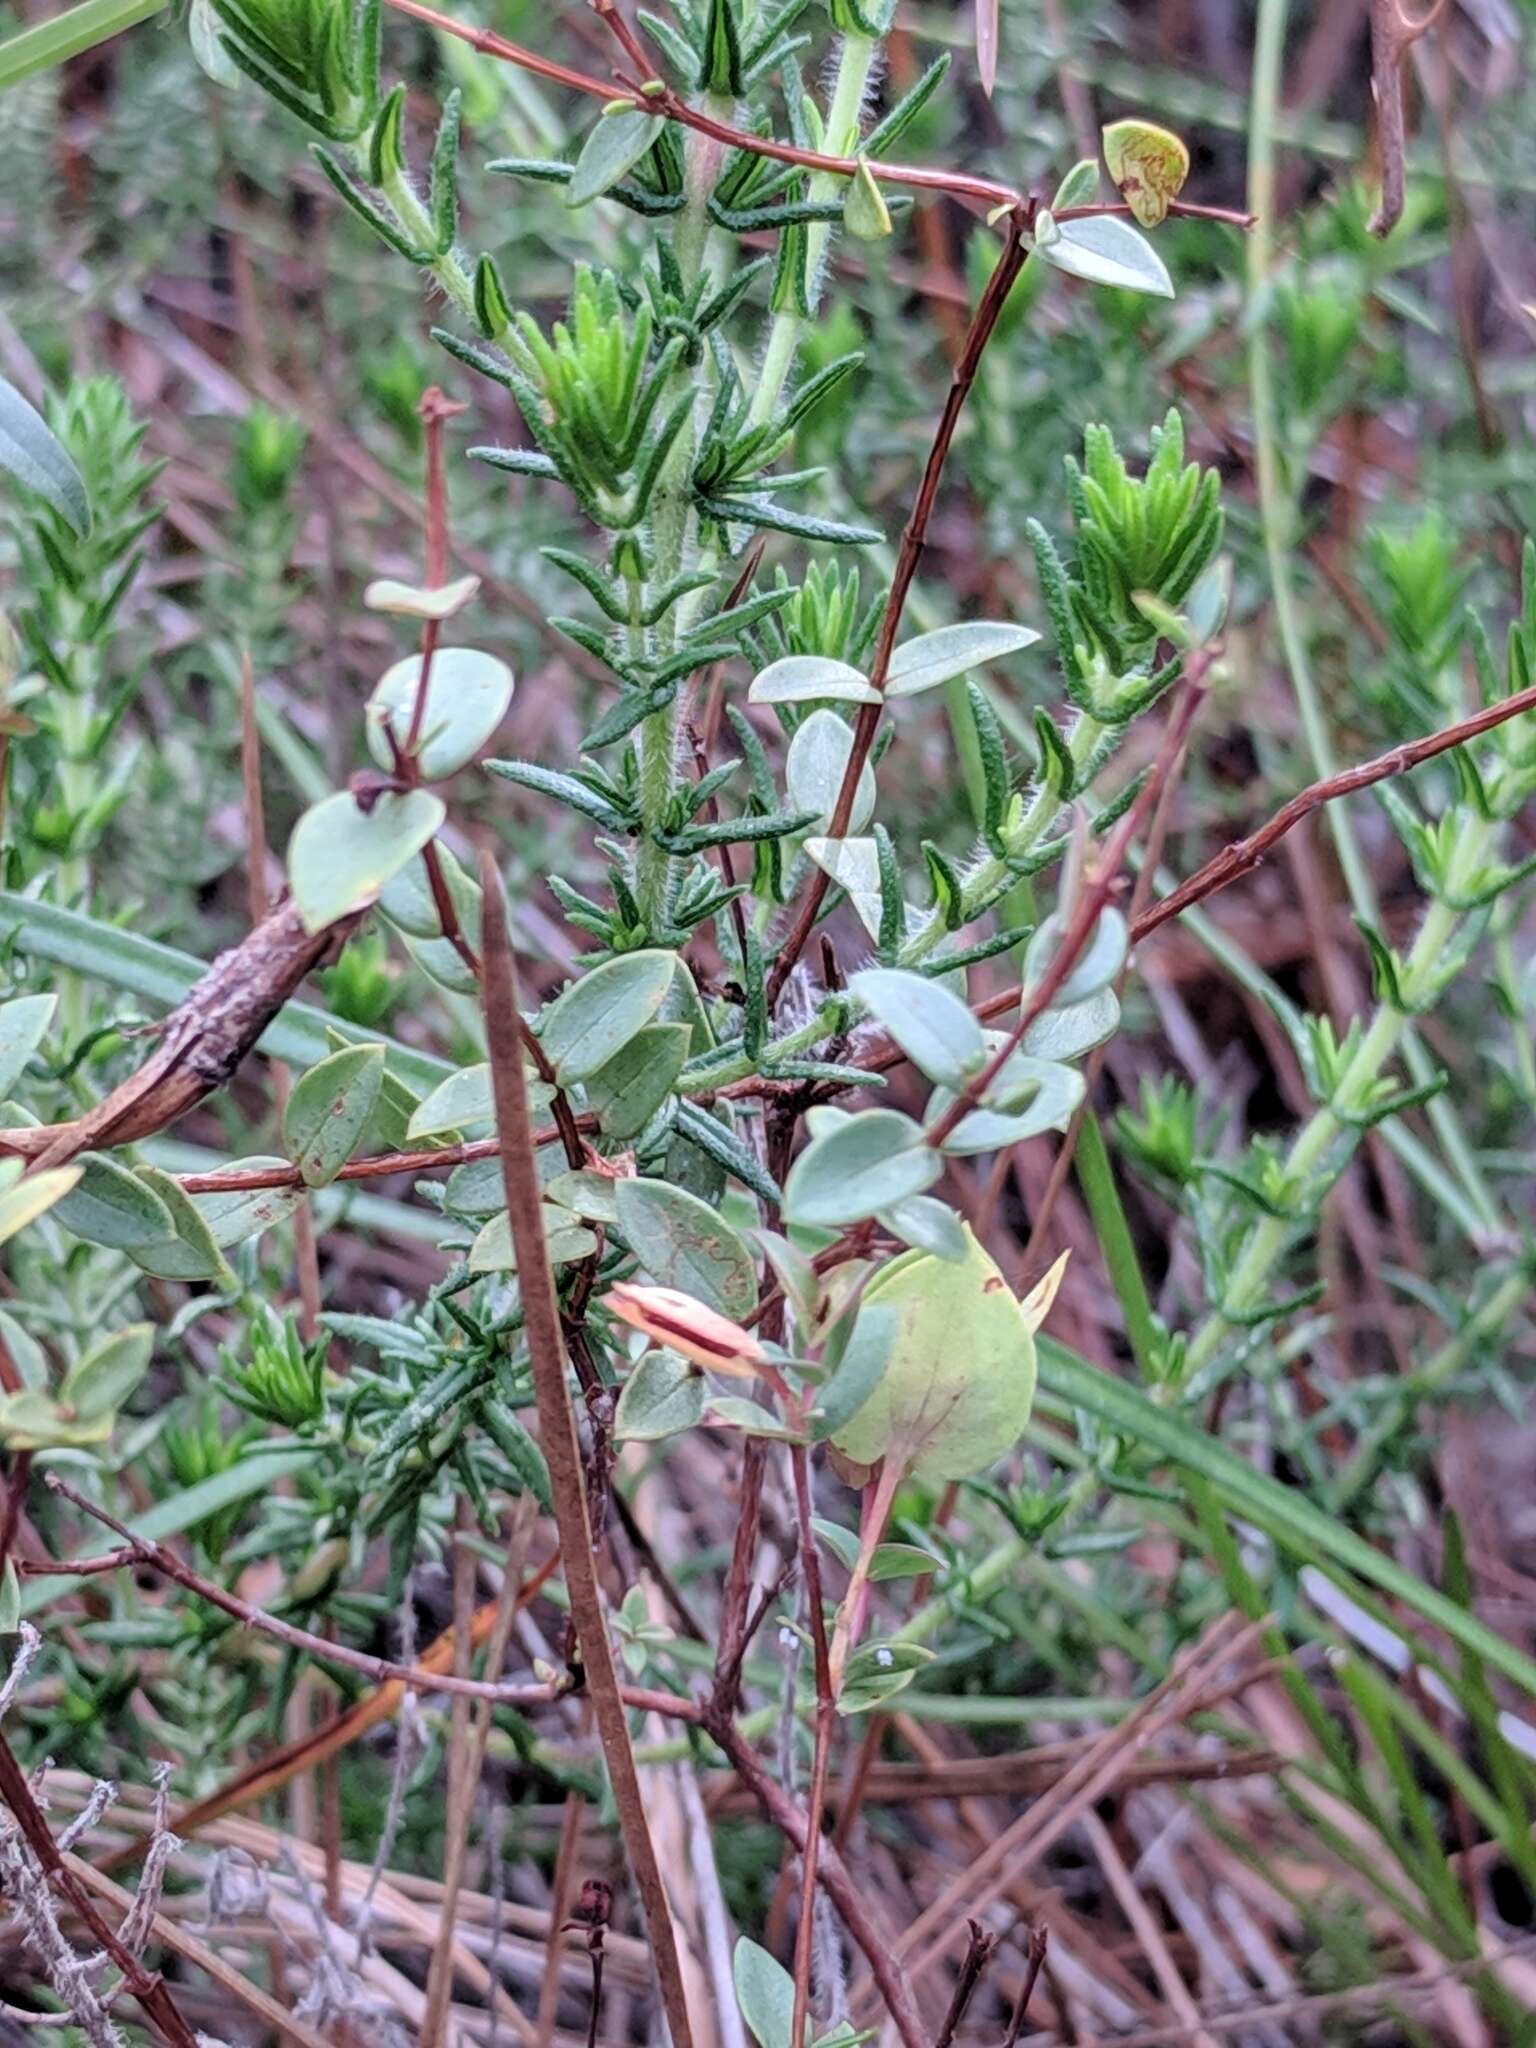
(1107,250)
(940,656)
(110,1205)
(467,697)
(682,1242)
(23,1021)
(35,456)
(599,1014)
(241,1212)
(615,146)
(329,1109)
(190,1253)
(933,1028)
(815,766)
(662,1396)
(341,856)
(108,1373)
(859,1166)
(811,679)
(627,1090)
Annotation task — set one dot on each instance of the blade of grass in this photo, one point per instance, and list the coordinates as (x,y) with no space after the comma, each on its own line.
(1283,1513)
(50,43)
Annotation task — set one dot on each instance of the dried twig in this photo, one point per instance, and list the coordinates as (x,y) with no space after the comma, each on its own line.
(380,1669)
(201,1042)
(913,540)
(1393,35)
(978,1954)
(147,1986)
(557,1430)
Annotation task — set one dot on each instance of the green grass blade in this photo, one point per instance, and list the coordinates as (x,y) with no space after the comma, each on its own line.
(51,43)
(1284,1514)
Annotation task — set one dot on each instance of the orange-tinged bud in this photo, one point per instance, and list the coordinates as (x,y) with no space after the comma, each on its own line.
(701,1335)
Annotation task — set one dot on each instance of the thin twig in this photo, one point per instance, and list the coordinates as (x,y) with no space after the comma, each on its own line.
(663,102)
(557,1430)
(977,1956)
(1095,896)
(1393,35)
(1035,1964)
(913,540)
(147,1986)
(380,1669)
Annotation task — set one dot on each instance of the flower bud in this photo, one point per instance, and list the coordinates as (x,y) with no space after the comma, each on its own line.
(699,1334)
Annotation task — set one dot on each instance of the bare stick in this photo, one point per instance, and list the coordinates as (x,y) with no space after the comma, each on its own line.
(1393,35)
(1095,896)
(1036,1962)
(913,540)
(147,1986)
(661,100)
(419,1677)
(977,1956)
(557,1431)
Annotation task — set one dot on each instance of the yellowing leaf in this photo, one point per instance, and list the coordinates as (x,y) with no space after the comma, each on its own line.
(1149,164)
(960,1376)
(865,213)
(1036,1305)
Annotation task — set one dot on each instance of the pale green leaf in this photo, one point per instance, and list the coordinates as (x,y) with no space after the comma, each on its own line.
(467,697)
(614,146)
(867,1163)
(340,856)
(684,1243)
(108,1372)
(111,1205)
(1067,1031)
(662,1396)
(23,1022)
(565,1240)
(734,1411)
(950,651)
(854,864)
(933,1028)
(960,1379)
(814,769)
(33,454)
(810,679)
(33,1197)
(190,1253)
(859,1371)
(600,1013)
(1104,249)
(627,1090)
(242,1212)
(420,600)
(1095,967)
(329,1109)
(927,1224)
(461,1103)
(30,1421)
(877,1672)
(1029,1096)
(765,1991)
(865,213)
